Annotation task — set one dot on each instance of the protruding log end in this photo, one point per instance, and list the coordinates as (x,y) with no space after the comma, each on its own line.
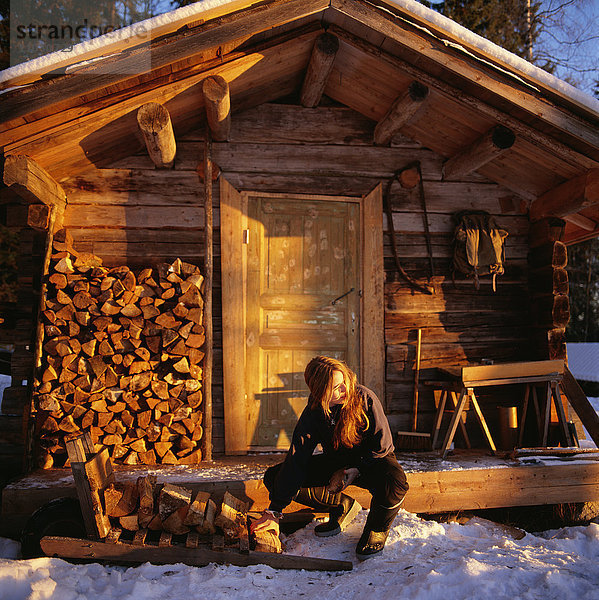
(503,137)
(155,125)
(217,98)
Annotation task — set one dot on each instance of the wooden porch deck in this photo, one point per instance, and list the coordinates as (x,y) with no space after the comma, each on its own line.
(465,480)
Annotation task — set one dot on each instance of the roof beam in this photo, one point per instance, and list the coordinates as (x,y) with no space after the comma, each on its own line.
(155,125)
(568,198)
(492,144)
(238,26)
(402,111)
(534,136)
(581,221)
(319,68)
(217,99)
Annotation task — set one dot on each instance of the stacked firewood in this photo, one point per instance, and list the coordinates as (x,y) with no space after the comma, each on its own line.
(121,358)
(147,506)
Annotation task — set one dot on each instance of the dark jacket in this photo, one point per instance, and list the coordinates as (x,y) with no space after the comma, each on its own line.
(314,427)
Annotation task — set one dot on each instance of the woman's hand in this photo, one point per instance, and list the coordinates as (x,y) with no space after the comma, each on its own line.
(341,479)
(267,522)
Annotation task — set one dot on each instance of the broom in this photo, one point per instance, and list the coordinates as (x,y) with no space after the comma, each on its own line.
(412,440)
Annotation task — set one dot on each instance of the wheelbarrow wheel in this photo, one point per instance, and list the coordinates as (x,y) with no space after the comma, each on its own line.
(60,517)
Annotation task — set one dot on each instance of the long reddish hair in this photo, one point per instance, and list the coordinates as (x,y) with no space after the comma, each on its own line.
(353,420)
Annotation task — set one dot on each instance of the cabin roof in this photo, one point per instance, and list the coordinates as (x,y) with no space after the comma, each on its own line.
(86,101)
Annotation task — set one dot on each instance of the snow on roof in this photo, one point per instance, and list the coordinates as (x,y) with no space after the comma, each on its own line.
(583,360)
(497,53)
(102,45)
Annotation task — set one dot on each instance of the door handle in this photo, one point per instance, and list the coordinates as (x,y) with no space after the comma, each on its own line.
(342,296)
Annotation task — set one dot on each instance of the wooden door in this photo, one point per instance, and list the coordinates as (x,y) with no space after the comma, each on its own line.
(274,301)
(303,299)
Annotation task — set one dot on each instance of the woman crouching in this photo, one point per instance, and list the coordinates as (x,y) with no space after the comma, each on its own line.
(348,421)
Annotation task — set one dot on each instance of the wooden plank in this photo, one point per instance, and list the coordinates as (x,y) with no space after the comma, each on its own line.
(128,553)
(119,44)
(233,270)
(581,405)
(185,217)
(511,370)
(521,486)
(218,542)
(373,310)
(208,363)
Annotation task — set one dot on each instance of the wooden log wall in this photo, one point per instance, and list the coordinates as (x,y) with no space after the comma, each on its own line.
(17,332)
(134,214)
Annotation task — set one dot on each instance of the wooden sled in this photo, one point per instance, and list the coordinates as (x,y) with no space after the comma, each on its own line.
(93,474)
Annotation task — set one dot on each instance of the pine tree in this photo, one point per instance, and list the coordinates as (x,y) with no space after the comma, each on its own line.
(511,24)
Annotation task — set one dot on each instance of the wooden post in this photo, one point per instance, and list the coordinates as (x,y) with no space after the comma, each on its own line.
(491,145)
(155,125)
(35,380)
(319,68)
(401,112)
(208,274)
(218,107)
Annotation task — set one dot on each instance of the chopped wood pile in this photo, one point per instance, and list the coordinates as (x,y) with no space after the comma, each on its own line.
(121,358)
(146,506)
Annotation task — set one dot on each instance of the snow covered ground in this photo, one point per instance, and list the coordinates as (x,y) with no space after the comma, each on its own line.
(422,560)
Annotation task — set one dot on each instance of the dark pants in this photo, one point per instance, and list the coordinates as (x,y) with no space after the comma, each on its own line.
(384,478)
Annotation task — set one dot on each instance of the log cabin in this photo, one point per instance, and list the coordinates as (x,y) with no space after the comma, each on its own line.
(308,157)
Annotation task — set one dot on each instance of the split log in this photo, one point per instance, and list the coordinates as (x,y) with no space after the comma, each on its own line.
(172,498)
(232,518)
(174,523)
(208,526)
(267,541)
(120,499)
